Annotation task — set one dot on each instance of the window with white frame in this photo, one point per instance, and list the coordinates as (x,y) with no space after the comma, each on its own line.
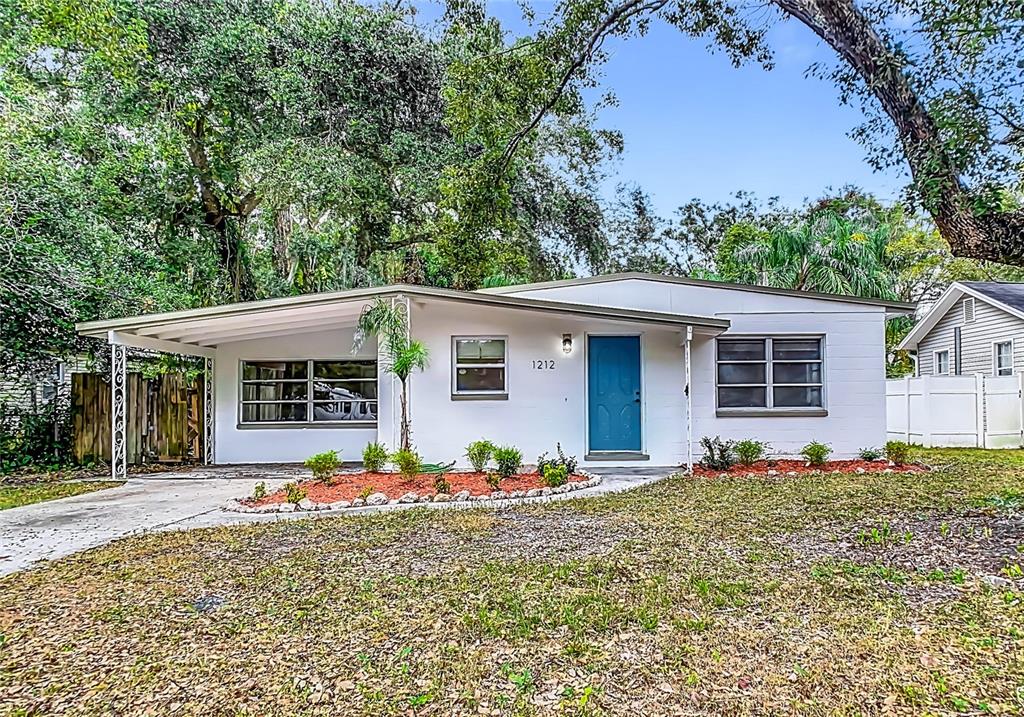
(479,365)
(308,391)
(785,373)
(1002,358)
(942,362)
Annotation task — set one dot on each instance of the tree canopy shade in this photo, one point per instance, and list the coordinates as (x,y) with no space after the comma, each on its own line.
(940,83)
(165,154)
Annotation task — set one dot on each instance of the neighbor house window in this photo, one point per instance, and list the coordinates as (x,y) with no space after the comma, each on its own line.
(770,373)
(479,365)
(942,362)
(1002,358)
(308,391)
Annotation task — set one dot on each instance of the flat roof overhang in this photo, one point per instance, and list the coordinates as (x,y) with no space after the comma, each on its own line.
(198,331)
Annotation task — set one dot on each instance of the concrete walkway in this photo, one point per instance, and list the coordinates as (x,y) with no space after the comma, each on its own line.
(193,499)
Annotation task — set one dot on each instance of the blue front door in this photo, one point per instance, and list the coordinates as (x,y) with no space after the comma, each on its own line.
(613,378)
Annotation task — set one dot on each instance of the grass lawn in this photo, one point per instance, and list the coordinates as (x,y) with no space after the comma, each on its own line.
(25,493)
(864,594)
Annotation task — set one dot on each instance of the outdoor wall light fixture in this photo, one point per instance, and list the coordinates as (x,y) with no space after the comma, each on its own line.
(567,343)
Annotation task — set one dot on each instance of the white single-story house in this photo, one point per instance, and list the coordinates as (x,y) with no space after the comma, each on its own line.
(617,369)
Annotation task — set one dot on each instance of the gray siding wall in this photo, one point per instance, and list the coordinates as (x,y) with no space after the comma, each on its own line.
(990,325)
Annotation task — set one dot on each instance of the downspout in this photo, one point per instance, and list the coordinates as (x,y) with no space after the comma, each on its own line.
(689,403)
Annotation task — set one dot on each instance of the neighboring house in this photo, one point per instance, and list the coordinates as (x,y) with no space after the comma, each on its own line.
(622,368)
(974,327)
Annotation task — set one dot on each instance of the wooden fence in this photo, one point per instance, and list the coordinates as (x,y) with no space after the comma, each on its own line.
(164,417)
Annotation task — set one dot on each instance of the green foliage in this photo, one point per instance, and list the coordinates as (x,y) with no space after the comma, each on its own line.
(897,451)
(750,451)
(719,454)
(508,460)
(555,475)
(441,484)
(324,465)
(293,492)
(870,454)
(408,462)
(493,479)
(40,438)
(568,462)
(816,453)
(479,453)
(259,491)
(375,457)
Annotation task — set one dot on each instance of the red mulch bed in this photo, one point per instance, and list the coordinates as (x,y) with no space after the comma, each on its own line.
(347,486)
(799,466)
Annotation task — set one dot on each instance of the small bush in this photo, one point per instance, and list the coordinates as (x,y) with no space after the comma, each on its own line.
(719,455)
(816,453)
(555,475)
(508,460)
(569,462)
(324,465)
(750,451)
(870,454)
(478,453)
(259,491)
(441,484)
(375,457)
(293,492)
(366,492)
(493,479)
(408,462)
(898,452)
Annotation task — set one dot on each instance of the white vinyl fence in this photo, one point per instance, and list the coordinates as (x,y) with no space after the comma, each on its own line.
(973,411)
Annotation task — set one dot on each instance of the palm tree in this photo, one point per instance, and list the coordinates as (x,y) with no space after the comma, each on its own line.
(402,355)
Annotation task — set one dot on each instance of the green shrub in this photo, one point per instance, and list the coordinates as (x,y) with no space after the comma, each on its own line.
(750,451)
(408,462)
(324,465)
(478,453)
(898,452)
(719,455)
(816,453)
(870,454)
(493,479)
(569,462)
(259,491)
(375,457)
(293,492)
(441,484)
(555,475)
(366,492)
(508,460)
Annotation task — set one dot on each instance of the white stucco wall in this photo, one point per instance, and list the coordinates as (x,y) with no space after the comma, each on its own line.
(546,406)
(268,444)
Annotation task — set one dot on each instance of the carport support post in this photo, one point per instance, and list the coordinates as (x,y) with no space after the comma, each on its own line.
(689,403)
(118,412)
(208,409)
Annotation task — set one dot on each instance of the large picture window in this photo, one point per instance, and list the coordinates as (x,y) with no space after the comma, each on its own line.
(308,391)
(479,365)
(770,373)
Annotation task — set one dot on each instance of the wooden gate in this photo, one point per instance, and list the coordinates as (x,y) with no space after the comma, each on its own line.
(164,417)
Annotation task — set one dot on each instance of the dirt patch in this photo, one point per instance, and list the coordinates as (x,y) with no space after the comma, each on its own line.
(347,486)
(772,467)
(975,543)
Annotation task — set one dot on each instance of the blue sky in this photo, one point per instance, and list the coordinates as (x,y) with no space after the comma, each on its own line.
(695,126)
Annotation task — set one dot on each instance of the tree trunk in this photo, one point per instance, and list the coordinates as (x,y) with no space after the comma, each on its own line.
(992,236)
(406,443)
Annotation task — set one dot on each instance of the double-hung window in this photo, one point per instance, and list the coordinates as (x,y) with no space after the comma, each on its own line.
(479,366)
(1002,358)
(308,391)
(770,373)
(942,362)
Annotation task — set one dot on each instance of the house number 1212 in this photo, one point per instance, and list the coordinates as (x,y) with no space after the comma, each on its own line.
(544,365)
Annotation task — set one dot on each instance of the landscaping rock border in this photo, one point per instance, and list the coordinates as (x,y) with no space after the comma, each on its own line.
(380,499)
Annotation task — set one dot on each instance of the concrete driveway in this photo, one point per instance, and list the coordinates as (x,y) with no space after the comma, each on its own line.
(193,499)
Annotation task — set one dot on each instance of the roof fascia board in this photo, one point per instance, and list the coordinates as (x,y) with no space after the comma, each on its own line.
(118,338)
(896,306)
